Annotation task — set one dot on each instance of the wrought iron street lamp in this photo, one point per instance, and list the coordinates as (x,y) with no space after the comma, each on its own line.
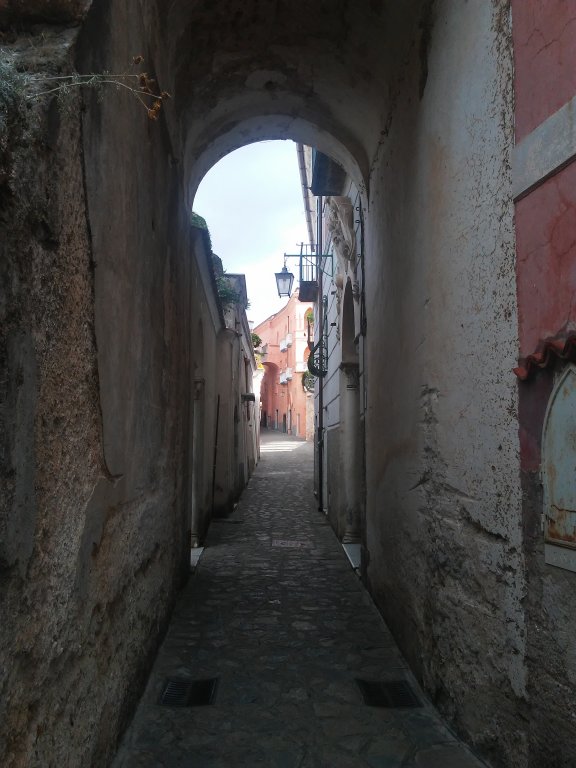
(284,281)
(310,265)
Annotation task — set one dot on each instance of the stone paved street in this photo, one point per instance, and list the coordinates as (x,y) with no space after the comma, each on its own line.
(275,611)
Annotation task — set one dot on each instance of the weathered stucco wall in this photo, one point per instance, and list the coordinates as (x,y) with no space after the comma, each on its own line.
(51,433)
(95,349)
(415,98)
(443,504)
(207,322)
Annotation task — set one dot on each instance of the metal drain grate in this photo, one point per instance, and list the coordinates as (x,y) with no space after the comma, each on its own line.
(390,693)
(181,692)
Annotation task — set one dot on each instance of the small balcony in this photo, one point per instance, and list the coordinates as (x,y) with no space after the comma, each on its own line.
(288,339)
(283,379)
(288,374)
(283,345)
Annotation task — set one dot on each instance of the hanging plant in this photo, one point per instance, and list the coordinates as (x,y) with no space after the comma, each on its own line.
(308,381)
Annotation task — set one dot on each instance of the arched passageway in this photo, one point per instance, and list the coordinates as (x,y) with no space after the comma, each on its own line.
(270,413)
(103,292)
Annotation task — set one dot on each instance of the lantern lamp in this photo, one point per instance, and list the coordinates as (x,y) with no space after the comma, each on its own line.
(284,280)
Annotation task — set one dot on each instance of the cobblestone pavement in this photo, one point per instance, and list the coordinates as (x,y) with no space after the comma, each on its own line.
(275,611)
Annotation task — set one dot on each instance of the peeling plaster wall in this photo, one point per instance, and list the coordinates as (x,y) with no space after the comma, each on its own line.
(443,497)
(96,272)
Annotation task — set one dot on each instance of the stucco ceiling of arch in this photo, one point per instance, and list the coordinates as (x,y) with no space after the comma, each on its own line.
(315,72)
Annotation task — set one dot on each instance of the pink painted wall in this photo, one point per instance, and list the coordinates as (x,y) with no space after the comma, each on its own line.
(546,259)
(544,33)
(289,397)
(544,36)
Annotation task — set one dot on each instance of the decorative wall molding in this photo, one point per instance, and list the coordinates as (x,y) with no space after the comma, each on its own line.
(340,222)
(545,151)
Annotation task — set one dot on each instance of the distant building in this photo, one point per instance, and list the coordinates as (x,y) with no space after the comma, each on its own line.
(332,204)
(224,413)
(237,416)
(286,402)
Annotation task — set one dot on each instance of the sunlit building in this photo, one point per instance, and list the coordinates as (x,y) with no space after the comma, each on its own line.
(286,399)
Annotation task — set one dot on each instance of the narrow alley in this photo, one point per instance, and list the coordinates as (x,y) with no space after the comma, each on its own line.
(275,612)
(403,175)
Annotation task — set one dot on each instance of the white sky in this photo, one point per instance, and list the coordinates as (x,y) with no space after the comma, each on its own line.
(252,203)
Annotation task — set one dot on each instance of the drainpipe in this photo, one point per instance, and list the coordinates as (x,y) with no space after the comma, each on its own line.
(320,437)
(215,456)
(305,191)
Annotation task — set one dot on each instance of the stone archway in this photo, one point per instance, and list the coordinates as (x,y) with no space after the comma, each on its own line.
(392,104)
(222,140)
(98,334)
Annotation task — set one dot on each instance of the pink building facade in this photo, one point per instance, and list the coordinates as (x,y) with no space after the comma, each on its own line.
(286,404)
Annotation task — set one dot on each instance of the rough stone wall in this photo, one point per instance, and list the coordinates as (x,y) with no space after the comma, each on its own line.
(52,450)
(21,13)
(443,507)
(96,294)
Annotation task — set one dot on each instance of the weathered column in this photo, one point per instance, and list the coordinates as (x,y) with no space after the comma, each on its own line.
(350,451)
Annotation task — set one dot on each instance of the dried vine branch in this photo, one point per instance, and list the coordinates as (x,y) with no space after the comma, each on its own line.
(143,87)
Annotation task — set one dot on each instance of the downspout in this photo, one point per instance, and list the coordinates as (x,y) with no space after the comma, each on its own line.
(320,437)
(193,517)
(215,456)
